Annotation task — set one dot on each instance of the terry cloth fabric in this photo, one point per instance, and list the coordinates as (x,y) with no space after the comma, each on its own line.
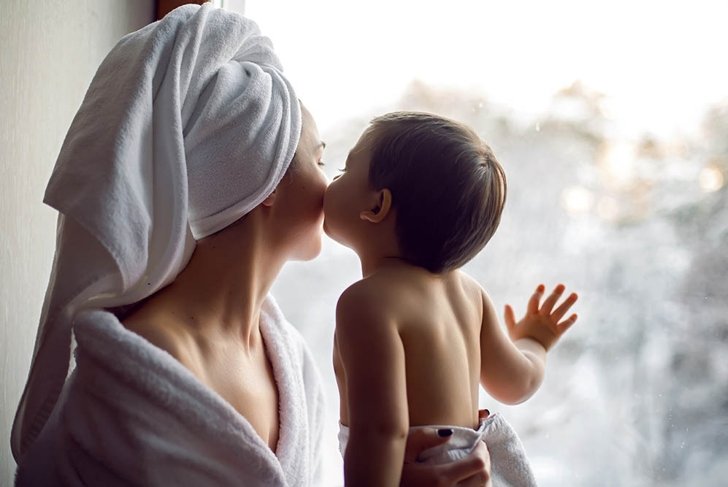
(133,415)
(187,125)
(509,464)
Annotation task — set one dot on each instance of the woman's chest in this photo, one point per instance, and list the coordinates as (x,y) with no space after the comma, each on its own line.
(247,382)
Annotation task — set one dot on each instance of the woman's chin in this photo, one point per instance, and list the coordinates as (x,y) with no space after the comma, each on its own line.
(331,234)
(310,251)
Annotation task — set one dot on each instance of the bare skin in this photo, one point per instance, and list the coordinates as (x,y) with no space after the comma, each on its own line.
(433,322)
(208,318)
(412,347)
(217,339)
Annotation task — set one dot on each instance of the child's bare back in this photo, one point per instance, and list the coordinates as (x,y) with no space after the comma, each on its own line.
(433,322)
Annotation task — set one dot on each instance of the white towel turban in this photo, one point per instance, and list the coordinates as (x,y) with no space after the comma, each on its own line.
(188,125)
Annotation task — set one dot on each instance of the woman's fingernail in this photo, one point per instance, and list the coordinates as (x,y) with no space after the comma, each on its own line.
(443,432)
(487,413)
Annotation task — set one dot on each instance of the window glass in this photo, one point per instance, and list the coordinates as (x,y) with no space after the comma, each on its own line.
(611,121)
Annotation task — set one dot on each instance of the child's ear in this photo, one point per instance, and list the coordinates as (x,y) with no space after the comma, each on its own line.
(380,211)
(268,202)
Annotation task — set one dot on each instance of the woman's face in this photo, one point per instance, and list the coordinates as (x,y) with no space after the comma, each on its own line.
(300,195)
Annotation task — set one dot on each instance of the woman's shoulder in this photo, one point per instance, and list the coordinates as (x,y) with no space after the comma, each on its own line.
(164,333)
(96,330)
(157,332)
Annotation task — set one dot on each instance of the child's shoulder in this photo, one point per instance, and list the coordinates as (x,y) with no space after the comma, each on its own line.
(389,292)
(377,296)
(469,282)
(366,292)
(362,306)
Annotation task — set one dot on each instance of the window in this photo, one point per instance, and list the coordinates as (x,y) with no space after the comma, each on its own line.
(612,123)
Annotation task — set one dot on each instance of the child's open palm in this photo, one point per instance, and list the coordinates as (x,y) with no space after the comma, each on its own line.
(542,322)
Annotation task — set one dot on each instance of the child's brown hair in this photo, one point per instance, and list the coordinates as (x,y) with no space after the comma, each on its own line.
(448,189)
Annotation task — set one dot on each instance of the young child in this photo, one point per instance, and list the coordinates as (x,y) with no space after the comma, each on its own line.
(419,197)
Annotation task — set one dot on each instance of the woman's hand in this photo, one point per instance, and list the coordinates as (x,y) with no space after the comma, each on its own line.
(542,322)
(474,468)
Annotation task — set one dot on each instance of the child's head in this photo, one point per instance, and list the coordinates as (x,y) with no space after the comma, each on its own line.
(447,188)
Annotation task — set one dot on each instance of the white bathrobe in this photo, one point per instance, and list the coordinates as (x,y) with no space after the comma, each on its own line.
(130,414)
(188,124)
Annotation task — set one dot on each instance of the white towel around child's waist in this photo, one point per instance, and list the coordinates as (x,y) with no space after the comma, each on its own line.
(509,464)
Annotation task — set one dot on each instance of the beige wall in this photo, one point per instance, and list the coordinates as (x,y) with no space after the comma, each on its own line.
(49,51)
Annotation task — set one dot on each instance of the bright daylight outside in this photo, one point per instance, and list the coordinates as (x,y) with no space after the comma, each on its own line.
(611,120)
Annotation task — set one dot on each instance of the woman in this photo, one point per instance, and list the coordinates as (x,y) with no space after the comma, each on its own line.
(188,178)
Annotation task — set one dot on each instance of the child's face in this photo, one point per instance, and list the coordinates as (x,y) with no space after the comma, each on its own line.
(350,194)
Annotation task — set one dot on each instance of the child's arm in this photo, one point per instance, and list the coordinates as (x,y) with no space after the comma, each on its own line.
(373,361)
(512,369)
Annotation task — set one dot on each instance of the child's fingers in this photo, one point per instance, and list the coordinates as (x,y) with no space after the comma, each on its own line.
(509,316)
(564,307)
(535,299)
(551,300)
(566,324)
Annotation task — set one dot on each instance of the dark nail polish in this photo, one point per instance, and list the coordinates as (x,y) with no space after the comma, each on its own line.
(443,432)
(487,413)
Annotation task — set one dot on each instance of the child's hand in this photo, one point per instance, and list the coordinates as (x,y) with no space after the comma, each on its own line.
(543,323)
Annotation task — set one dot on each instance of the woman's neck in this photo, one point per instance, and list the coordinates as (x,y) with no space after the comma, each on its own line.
(223,287)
